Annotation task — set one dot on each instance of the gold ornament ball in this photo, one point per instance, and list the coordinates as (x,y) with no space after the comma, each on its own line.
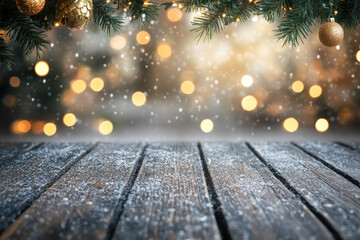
(331,33)
(30,7)
(74,14)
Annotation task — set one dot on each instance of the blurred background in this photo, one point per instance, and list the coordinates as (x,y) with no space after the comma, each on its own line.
(158,83)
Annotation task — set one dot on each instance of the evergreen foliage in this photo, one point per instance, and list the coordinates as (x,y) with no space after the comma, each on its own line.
(295,18)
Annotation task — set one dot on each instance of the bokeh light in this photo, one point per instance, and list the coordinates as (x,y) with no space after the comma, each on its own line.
(97,84)
(291,124)
(37,127)
(20,126)
(49,129)
(321,125)
(138,99)
(297,86)
(14,82)
(78,86)
(143,37)
(247,81)
(105,127)
(206,125)
(118,42)
(9,100)
(187,87)
(42,68)
(164,50)
(249,103)
(69,119)
(358,56)
(174,14)
(315,91)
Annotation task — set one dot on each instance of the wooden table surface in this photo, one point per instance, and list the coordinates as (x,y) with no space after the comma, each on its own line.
(215,190)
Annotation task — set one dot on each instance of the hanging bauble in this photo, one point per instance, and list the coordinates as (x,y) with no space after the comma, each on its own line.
(331,33)
(74,13)
(30,7)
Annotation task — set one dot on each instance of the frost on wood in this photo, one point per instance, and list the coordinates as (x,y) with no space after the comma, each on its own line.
(256,204)
(335,198)
(169,199)
(27,175)
(81,203)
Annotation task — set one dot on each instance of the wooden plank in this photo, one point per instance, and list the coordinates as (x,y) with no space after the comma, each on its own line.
(169,199)
(28,175)
(339,158)
(355,145)
(10,150)
(80,204)
(334,199)
(256,205)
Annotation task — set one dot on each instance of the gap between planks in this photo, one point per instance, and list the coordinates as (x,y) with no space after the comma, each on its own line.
(333,168)
(214,198)
(276,174)
(47,186)
(119,209)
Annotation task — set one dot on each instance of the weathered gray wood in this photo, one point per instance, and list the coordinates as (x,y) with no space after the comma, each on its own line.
(80,204)
(256,205)
(27,175)
(355,145)
(339,157)
(9,150)
(169,199)
(334,198)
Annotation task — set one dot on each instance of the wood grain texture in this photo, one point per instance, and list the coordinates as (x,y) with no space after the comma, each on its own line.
(169,199)
(340,157)
(355,145)
(9,150)
(334,198)
(80,204)
(27,175)
(255,203)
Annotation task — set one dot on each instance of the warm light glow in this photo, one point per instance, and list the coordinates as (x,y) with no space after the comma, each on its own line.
(315,91)
(164,50)
(247,81)
(20,126)
(78,86)
(297,86)
(97,84)
(42,68)
(290,124)
(9,100)
(249,103)
(138,99)
(206,125)
(174,14)
(69,119)
(143,37)
(105,127)
(14,82)
(37,127)
(118,42)
(322,125)
(358,56)
(49,129)
(187,87)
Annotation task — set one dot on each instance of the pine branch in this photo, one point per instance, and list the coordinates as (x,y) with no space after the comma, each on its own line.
(196,5)
(140,11)
(297,24)
(5,54)
(105,16)
(24,31)
(211,22)
(272,10)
